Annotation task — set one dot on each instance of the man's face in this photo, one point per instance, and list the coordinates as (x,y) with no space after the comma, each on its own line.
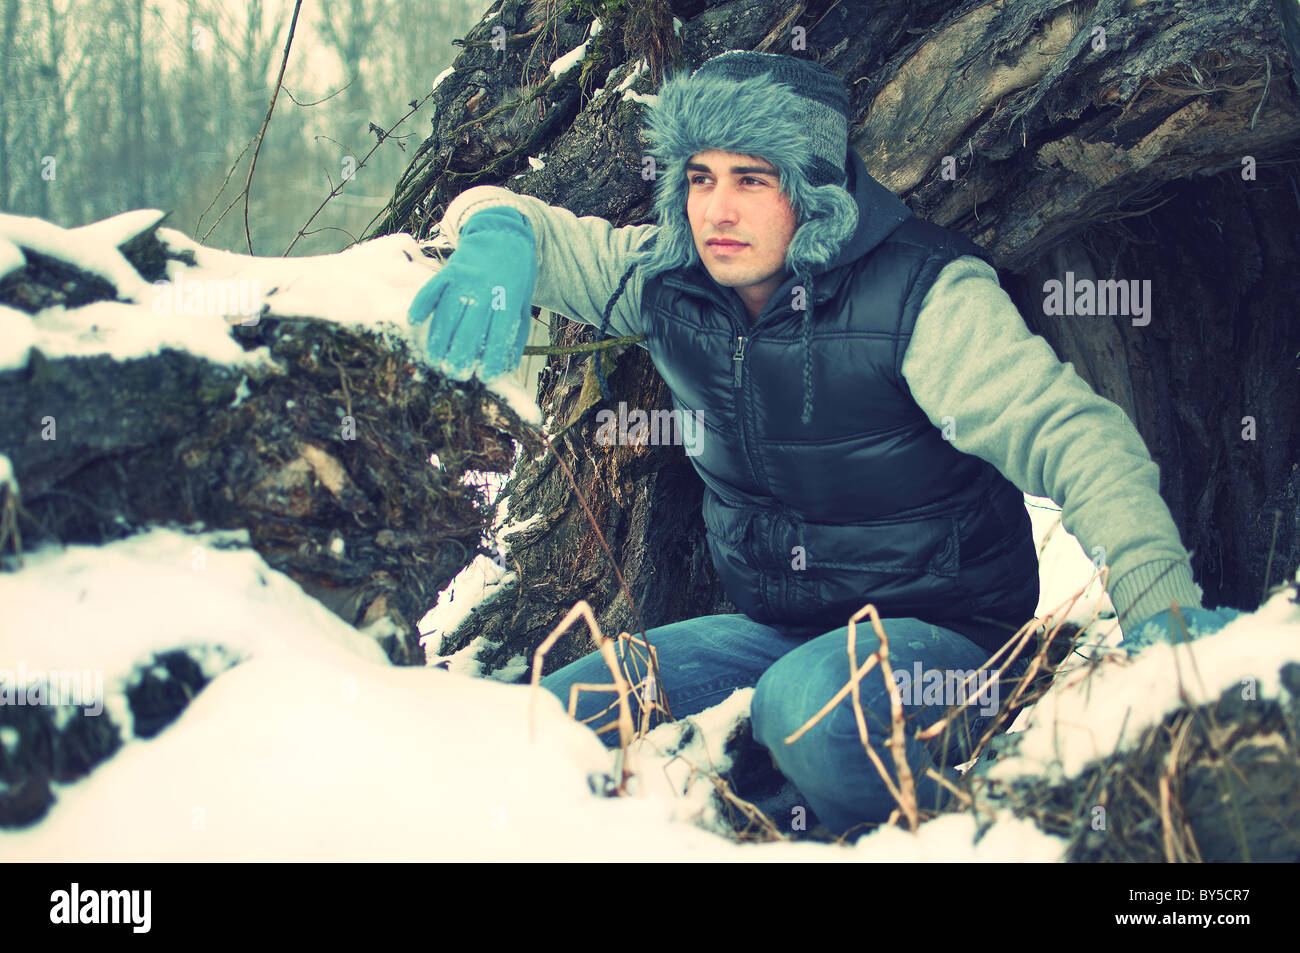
(741,221)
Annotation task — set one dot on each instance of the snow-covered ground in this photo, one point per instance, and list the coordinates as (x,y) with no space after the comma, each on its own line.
(314,747)
(308,744)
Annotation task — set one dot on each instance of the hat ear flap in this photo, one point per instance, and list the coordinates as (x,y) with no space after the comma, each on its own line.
(827,217)
(674,244)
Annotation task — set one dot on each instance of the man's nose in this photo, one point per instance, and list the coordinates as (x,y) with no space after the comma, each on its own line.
(722,206)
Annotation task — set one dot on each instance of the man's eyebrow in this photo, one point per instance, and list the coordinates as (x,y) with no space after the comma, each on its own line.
(735,169)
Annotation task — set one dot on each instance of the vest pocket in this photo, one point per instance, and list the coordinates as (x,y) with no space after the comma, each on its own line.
(728,522)
(892,547)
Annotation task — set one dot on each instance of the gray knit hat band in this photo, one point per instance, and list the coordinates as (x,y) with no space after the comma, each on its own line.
(823,102)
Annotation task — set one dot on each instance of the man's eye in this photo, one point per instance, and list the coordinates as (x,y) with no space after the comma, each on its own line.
(697,179)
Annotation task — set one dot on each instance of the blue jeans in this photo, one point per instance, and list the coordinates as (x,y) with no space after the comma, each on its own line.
(702,661)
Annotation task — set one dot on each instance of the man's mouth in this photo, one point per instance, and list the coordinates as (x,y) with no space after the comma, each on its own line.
(723,246)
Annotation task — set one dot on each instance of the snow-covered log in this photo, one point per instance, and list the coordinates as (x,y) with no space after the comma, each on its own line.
(147,379)
(1184,753)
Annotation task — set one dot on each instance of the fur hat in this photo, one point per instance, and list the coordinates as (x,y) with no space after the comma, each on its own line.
(791,112)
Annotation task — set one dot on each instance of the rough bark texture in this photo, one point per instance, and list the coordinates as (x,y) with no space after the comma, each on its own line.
(1116,155)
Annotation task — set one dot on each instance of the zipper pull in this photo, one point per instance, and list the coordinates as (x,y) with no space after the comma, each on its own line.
(739,356)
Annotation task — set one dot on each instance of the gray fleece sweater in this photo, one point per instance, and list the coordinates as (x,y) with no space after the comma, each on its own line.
(971,359)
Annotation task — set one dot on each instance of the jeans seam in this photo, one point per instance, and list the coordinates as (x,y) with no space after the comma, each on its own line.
(720,684)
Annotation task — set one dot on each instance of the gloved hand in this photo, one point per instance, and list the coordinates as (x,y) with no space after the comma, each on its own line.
(479,304)
(1164,628)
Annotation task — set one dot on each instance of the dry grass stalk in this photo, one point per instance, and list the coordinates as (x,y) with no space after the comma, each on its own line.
(620,686)
(904,792)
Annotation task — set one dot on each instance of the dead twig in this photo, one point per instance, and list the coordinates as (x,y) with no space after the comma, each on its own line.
(284,61)
(620,686)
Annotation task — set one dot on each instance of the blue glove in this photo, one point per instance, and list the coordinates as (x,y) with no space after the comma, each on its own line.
(1163,627)
(480,301)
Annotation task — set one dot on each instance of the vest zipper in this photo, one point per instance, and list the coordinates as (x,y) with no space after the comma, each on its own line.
(738,358)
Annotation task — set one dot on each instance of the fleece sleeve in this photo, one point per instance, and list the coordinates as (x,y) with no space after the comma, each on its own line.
(580,260)
(1013,403)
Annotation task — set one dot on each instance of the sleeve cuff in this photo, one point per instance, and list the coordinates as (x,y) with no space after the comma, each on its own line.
(470,201)
(1151,587)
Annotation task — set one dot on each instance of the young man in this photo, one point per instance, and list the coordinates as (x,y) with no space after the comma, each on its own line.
(870,404)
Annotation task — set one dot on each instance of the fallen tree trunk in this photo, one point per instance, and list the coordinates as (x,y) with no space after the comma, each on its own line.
(316,438)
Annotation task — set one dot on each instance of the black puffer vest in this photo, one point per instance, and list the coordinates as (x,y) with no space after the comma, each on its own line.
(868,503)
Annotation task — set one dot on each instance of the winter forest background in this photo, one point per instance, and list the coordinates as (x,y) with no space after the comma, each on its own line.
(120,104)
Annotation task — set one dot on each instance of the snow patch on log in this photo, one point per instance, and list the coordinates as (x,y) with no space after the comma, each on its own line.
(1094,713)
(437,80)
(369,285)
(92,248)
(572,58)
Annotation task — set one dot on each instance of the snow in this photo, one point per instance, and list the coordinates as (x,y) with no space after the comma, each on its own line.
(478,583)
(640,67)
(295,752)
(507,387)
(473,586)
(118,229)
(572,58)
(242,392)
(951,839)
(11,257)
(298,743)
(1102,700)
(1091,713)
(92,248)
(437,80)
(126,331)
(1063,571)
(634,96)
(569,60)
(369,285)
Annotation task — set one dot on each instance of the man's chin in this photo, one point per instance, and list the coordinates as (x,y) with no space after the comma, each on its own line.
(729,277)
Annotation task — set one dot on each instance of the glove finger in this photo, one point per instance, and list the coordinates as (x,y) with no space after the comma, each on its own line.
(447,319)
(522,333)
(465,349)
(499,345)
(426,299)
(511,323)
